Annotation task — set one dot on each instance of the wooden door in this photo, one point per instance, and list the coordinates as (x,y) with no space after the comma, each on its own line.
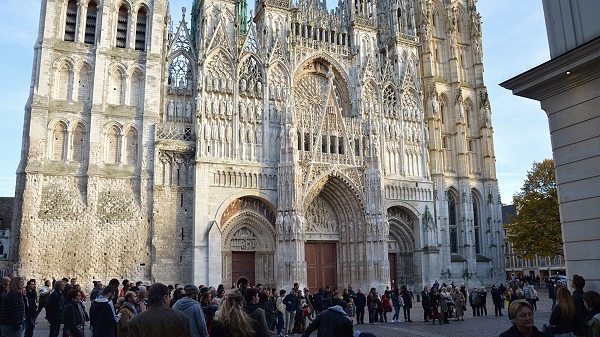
(393,276)
(242,265)
(321,264)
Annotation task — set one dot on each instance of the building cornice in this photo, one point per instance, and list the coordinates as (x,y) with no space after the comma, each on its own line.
(558,75)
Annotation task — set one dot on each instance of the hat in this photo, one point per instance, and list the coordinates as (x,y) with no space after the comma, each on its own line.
(142,289)
(190,289)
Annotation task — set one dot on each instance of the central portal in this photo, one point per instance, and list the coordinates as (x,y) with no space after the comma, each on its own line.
(321,264)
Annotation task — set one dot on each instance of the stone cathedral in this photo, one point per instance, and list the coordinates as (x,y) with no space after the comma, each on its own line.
(290,143)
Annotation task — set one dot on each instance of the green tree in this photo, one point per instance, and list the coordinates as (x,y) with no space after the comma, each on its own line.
(536,229)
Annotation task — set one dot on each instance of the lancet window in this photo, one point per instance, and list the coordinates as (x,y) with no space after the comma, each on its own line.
(71,20)
(476,223)
(116,88)
(113,146)
(90,23)
(453,223)
(180,73)
(122,26)
(140,29)
(59,139)
(78,144)
(131,147)
(63,83)
(83,87)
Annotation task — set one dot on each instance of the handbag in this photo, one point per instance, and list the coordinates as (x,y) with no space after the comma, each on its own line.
(548,329)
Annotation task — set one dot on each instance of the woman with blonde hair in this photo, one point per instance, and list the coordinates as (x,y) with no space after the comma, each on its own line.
(563,313)
(231,320)
(521,312)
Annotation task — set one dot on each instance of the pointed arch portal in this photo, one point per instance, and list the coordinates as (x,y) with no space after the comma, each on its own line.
(401,245)
(334,217)
(248,242)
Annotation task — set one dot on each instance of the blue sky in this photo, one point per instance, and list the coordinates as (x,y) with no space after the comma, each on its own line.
(514,40)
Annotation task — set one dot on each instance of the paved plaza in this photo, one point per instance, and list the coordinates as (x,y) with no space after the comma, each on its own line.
(484,326)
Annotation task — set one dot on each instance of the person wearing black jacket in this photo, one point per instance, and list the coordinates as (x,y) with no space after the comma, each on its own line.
(30,301)
(333,322)
(580,311)
(55,309)
(425,303)
(74,318)
(360,300)
(256,313)
(13,308)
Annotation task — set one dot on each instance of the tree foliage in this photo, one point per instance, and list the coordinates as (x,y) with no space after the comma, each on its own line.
(536,229)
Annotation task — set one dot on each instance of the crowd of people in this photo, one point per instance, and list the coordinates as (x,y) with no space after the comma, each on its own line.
(122,309)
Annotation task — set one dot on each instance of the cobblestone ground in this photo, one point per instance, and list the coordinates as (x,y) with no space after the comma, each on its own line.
(482,326)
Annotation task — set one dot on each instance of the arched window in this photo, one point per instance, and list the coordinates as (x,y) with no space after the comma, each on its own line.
(116,88)
(71,20)
(140,29)
(90,23)
(113,146)
(59,139)
(135,93)
(131,147)
(452,224)
(122,24)
(83,88)
(78,144)
(476,224)
(63,83)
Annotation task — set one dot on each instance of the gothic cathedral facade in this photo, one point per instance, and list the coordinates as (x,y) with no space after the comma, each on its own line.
(291,144)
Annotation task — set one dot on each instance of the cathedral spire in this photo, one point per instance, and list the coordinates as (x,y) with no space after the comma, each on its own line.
(242,16)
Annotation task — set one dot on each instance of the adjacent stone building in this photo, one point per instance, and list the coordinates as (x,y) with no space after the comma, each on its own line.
(302,144)
(567,88)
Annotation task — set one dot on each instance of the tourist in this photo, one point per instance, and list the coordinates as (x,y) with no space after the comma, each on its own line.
(498,299)
(290,301)
(407,299)
(332,322)
(386,306)
(434,305)
(373,301)
(578,282)
(280,306)
(528,292)
(482,304)
(190,306)
(140,303)
(231,319)
(208,309)
(126,312)
(445,304)
(459,305)
(255,312)
(591,300)
(159,320)
(13,308)
(523,322)
(351,311)
(44,295)
(30,301)
(473,300)
(75,316)
(397,302)
(55,309)
(562,314)
(361,303)
(425,303)
(96,291)
(102,314)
